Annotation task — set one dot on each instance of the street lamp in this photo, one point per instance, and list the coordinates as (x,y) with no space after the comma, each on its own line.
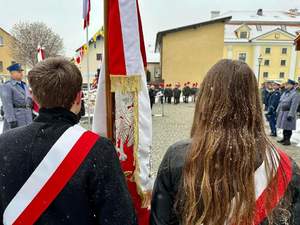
(260,59)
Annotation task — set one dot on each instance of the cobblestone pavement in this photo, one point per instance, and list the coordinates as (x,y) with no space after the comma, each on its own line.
(175,125)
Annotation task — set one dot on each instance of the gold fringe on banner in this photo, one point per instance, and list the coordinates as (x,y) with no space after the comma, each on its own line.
(125,84)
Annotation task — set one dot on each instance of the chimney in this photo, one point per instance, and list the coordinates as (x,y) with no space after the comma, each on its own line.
(215,14)
(260,12)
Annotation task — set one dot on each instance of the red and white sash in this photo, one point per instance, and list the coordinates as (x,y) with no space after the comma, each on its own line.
(50,177)
(263,188)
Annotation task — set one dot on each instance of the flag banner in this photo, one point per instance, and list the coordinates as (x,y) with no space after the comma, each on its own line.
(86,12)
(40,53)
(133,119)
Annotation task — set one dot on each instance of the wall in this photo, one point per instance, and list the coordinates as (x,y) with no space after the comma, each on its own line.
(94,64)
(153,68)
(5,52)
(188,55)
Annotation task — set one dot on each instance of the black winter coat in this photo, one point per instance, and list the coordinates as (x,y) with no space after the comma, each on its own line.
(169,178)
(97,193)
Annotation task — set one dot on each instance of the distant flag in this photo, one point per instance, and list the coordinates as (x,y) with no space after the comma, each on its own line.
(133,120)
(86,12)
(40,53)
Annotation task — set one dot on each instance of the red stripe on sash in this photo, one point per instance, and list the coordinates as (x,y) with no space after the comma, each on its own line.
(58,180)
(284,176)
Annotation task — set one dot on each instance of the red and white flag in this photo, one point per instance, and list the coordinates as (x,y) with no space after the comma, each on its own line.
(126,66)
(40,53)
(86,12)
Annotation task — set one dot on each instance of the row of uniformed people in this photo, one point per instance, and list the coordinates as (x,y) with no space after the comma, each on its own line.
(282,105)
(167,93)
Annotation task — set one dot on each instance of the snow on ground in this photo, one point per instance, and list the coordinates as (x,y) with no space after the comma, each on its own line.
(1,126)
(296,134)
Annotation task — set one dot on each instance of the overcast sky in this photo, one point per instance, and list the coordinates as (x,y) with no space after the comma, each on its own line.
(65,16)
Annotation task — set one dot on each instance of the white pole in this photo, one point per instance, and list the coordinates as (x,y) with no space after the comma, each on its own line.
(88,76)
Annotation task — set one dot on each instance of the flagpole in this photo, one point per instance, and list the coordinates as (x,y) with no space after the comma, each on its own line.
(88,76)
(109,96)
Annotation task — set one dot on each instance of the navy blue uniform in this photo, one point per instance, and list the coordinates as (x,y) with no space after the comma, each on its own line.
(273,103)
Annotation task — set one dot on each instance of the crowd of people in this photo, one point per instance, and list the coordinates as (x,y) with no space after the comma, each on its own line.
(281,103)
(167,94)
(228,172)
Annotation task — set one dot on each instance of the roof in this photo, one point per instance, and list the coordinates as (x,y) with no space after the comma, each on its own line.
(230,29)
(5,31)
(277,29)
(193,26)
(268,17)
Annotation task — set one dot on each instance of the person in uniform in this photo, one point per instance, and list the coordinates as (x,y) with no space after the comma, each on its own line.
(170,94)
(16,100)
(287,112)
(152,95)
(177,94)
(162,93)
(194,92)
(272,108)
(166,93)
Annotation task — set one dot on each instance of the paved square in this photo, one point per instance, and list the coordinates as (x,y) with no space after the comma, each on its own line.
(176,126)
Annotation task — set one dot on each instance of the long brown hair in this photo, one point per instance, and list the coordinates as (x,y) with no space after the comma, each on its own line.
(228,145)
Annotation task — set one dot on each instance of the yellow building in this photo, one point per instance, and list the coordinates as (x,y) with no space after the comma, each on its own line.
(187,53)
(6,58)
(265,40)
(94,54)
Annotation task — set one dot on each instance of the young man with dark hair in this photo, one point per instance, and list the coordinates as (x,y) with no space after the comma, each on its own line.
(55,172)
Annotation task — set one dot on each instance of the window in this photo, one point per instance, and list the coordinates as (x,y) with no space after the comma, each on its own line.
(1,66)
(281,75)
(284,51)
(268,51)
(258,28)
(283,63)
(266,74)
(99,57)
(283,27)
(1,41)
(243,57)
(244,35)
(267,62)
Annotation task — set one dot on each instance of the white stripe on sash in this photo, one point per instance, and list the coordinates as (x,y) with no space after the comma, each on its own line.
(42,173)
(261,176)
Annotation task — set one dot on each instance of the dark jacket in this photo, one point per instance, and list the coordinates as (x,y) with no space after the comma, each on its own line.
(176,92)
(96,194)
(152,95)
(186,91)
(273,102)
(169,178)
(265,94)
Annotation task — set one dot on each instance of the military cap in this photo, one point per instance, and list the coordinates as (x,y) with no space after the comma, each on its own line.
(15,67)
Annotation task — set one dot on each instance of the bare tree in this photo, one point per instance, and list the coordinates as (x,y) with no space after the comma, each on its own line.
(28,36)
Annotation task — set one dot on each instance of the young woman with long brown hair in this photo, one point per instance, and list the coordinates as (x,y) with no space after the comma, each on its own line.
(228,172)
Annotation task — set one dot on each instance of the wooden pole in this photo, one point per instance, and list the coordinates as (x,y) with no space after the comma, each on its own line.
(88,77)
(109,96)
